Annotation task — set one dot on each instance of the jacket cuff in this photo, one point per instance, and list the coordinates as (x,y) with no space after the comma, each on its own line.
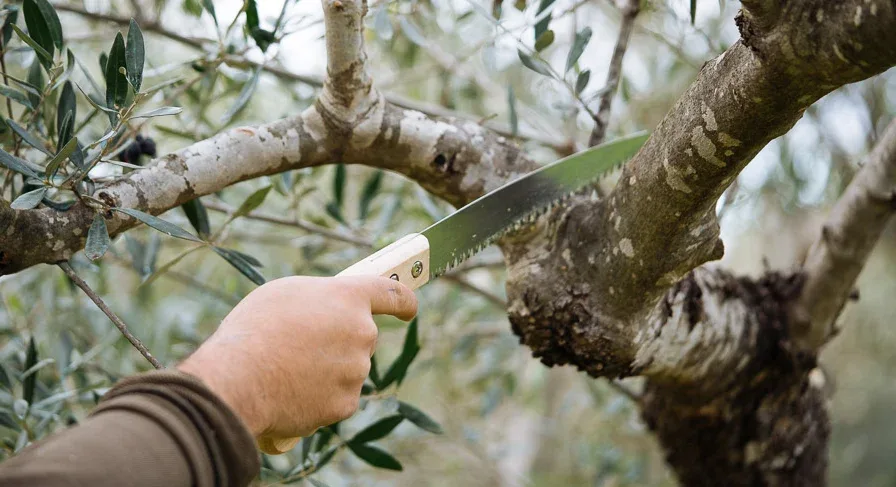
(201,421)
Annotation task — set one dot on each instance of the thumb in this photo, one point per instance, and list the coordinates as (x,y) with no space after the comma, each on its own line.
(387,296)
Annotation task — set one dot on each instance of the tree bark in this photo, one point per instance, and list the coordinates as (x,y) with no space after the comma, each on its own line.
(615,286)
(768,424)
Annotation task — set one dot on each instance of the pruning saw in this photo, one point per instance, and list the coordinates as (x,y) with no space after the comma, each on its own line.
(418,258)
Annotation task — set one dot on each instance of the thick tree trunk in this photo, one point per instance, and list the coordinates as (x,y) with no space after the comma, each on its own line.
(771,427)
(773,434)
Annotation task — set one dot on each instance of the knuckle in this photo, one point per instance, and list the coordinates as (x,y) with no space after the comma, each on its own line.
(355,371)
(346,407)
(370,331)
(364,331)
(361,371)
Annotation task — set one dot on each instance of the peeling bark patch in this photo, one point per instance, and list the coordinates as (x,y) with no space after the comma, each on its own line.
(727,140)
(709,119)
(625,246)
(673,179)
(705,147)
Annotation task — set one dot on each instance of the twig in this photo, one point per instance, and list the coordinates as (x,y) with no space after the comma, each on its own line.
(602,118)
(154,26)
(296,223)
(3,69)
(122,327)
(184,279)
(488,295)
(675,48)
(624,390)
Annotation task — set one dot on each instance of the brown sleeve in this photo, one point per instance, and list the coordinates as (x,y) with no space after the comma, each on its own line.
(162,428)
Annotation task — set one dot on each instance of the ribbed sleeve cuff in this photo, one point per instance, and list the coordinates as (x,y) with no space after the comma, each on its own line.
(217,444)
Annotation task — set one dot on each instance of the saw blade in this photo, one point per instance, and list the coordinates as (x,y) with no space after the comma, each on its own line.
(465,232)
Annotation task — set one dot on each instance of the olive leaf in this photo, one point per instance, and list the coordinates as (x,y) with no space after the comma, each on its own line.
(375,456)
(57,161)
(210,7)
(46,59)
(135,55)
(245,266)
(243,98)
(371,188)
(252,202)
(30,381)
(163,226)
(419,418)
(399,368)
(511,111)
(18,165)
(583,37)
(377,430)
(116,80)
(16,96)
(542,25)
(28,137)
(43,26)
(159,112)
(97,238)
(11,17)
(582,81)
(535,64)
(66,113)
(198,216)
(29,200)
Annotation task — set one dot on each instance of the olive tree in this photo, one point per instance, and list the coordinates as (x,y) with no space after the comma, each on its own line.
(618,282)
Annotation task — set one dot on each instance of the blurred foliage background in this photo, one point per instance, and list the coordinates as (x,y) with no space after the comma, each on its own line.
(505,419)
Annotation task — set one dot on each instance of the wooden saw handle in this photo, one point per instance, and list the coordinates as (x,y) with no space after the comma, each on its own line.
(407,261)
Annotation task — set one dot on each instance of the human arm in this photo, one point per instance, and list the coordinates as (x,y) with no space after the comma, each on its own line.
(291,357)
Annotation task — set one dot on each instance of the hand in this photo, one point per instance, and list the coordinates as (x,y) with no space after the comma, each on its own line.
(292,356)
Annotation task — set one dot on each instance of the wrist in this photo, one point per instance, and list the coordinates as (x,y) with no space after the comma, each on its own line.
(235,392)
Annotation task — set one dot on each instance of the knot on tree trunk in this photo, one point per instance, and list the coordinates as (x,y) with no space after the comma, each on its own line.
(556,305)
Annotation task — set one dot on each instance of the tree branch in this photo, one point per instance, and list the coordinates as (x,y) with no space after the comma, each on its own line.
(29,237)
(602,119)
(617,286)
(592,284)
(122,327)
(614,264)
(561,146)
(845,241)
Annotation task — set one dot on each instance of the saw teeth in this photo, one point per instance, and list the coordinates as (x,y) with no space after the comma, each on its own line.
(586,189)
